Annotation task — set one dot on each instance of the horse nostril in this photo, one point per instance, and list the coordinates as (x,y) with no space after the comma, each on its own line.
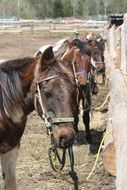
(63,137)
(62,142)
(83,87)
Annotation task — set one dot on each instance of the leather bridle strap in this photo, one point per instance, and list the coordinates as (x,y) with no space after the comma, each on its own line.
(45,114)
(46,79)
(62,120)
(80,73)
(73,66)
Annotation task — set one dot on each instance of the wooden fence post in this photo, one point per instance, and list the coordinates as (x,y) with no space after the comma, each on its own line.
(115,145)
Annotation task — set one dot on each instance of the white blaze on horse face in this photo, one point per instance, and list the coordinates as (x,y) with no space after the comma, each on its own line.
(93,62)
(8,162)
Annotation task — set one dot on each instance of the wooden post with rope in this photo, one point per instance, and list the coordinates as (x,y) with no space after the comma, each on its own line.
(115,145)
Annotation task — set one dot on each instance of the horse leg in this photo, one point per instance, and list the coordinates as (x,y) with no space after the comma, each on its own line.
(86,121)
(8,162)
(76,123)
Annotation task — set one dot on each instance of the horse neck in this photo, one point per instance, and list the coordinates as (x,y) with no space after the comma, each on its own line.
(67,62)
(28,86)
(28,74)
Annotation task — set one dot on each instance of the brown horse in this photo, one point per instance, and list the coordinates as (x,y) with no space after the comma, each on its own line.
(97,44)
(29,83)
(77,59)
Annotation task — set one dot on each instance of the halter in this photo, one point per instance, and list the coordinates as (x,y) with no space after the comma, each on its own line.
(48,120)
(88,76)
(93,63)
(80,73)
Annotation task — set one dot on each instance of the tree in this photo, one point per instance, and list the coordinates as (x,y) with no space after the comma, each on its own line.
(67,9)
(57,9)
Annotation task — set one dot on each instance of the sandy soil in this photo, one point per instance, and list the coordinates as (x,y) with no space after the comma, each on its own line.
(33,169)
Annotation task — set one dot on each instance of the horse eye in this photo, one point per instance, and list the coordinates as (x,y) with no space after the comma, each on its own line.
(48,94)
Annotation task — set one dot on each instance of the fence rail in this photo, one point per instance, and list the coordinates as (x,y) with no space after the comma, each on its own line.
(51,25)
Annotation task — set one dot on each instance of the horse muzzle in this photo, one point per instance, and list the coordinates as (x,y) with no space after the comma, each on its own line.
(63,136)
(82,81)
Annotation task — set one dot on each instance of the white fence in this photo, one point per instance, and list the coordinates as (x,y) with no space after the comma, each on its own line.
(51,25)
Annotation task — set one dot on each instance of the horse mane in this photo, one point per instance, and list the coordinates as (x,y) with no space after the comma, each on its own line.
(66,74)
(16,64)
(12,103)
(58,66)
(83,46)
(12,98)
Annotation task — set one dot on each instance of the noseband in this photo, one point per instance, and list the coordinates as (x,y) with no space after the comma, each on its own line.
(40,97)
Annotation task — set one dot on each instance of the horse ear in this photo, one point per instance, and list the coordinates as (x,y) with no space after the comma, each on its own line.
(47,56)
(69,44)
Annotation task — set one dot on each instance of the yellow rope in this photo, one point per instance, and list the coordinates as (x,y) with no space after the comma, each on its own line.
(105,101)
(94,166)
(103,84)
(106,82)
(98,153)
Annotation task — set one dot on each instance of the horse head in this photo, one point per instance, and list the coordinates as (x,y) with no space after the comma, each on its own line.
(97,44)
(55,99)
(79,55)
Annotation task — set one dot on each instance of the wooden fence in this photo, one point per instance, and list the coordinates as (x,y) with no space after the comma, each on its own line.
(115,149)
(51,25)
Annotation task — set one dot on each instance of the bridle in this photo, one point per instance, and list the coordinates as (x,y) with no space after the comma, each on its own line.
(93,62)
(50,123)
(41,98)
(80,73)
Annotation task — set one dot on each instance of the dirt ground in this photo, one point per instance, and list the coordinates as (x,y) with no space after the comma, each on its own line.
(33,169)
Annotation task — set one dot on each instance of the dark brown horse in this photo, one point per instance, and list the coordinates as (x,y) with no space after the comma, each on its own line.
(77,59)
(29,83)
(97,44)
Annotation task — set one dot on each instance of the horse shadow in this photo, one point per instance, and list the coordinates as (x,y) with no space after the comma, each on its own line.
(96,138)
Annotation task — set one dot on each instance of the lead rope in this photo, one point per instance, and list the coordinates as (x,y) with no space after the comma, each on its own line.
(73,173)
(53,153)
(105,101)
